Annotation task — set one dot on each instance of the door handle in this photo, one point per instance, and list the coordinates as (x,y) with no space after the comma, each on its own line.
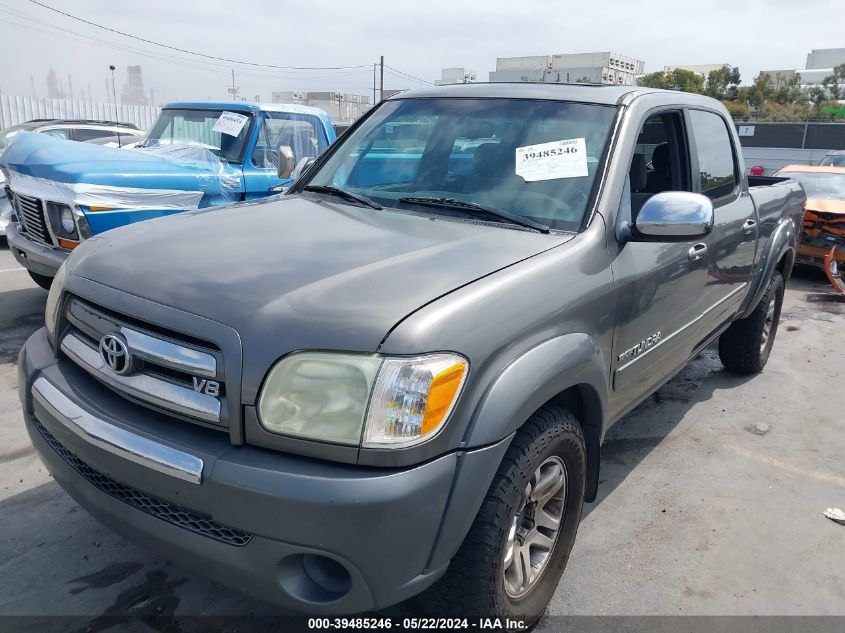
(749,225)
(697,251)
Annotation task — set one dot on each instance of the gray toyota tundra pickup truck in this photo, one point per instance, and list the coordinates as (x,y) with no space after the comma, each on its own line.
(395,379)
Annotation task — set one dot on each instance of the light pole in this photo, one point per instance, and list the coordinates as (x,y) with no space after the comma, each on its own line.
(114,95)
(113,91)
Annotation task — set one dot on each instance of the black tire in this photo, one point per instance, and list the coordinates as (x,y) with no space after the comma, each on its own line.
(42,280)
(474,583)
(746,344)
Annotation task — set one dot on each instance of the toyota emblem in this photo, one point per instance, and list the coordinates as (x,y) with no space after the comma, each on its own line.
(115,352)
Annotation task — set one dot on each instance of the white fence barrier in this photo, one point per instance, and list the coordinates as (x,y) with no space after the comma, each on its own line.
(14,110)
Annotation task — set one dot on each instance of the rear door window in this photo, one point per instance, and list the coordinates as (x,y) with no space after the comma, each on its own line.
(86,134)
(717,170)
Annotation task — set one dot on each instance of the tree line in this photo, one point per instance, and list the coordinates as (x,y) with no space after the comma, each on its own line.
(769,98)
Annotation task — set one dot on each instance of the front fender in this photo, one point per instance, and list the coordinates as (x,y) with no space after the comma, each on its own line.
(571,360)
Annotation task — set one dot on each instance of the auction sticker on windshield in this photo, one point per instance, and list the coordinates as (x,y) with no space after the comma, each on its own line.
(547,161)
(230,123)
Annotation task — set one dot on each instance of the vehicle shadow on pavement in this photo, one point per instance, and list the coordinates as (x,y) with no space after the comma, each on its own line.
(21,314)
(631,439)
(75,565)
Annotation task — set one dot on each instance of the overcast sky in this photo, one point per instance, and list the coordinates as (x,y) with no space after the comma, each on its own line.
(418,37)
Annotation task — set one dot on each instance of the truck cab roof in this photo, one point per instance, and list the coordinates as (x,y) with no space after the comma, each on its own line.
(240,106)
(579,93)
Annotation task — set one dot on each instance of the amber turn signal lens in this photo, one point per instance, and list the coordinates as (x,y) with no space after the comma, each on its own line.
(441,394)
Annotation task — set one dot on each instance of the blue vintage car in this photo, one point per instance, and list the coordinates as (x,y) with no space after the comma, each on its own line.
(196,155)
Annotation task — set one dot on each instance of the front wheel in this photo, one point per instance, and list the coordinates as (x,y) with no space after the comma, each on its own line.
(512,559)
(42,280)
(746,344)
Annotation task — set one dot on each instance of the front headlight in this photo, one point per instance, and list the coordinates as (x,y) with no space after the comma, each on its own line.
(54,300)
(62,221)
(412,399)
(68,223)
(361,400)
(318,396)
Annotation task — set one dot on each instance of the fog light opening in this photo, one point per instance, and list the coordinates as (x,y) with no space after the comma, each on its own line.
(314,578)
(328,574)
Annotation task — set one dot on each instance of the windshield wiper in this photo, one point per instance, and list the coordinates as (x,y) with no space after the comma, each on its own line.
(343,193)
(481,208)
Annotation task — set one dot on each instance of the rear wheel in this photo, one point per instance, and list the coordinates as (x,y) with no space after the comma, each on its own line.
(746,344)
(512,559)
(42,280)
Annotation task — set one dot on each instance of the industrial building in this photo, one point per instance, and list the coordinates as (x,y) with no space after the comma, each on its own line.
(133,92)
(342,107)
(702,70)
(824,58)
(456,76)
(819,66)
(596,68)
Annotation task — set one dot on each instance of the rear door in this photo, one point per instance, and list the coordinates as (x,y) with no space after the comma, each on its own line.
(717,174)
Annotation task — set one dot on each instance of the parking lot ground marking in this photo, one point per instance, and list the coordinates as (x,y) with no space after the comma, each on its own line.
(797,470)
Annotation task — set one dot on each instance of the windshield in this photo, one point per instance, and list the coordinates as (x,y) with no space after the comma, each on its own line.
(535,159)
(834,160)
(819,184)
(223,133)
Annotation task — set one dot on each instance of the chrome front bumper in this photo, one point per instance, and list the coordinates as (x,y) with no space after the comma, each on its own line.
(5,214)
(40,259)
(116,440)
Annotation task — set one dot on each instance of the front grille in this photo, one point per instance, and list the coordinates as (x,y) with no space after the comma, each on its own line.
(30,213)
(172,374)
(164,510)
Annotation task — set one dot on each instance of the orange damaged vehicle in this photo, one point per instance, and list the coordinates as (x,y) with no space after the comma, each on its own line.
(824,212)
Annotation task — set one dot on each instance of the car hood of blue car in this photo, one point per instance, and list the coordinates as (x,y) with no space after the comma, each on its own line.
(74,163)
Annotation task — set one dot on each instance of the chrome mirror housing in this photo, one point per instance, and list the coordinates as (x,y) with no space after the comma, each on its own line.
(286,162)
(675,215)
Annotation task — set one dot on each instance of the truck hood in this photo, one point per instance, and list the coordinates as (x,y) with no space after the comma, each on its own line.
(72,163)
(301,272)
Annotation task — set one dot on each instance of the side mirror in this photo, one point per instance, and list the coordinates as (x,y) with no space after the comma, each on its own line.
(286,162)
(675,215)
(301,167)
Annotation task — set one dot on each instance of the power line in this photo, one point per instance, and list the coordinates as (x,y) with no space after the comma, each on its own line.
(189,52)
(193,64)
(404,74)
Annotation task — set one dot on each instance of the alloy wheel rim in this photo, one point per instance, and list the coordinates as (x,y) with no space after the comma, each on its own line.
(535,527)
(768,324)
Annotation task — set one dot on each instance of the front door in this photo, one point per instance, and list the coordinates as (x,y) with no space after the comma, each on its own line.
(659,285)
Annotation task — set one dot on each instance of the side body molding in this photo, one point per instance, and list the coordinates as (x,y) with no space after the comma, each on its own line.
(526,384)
